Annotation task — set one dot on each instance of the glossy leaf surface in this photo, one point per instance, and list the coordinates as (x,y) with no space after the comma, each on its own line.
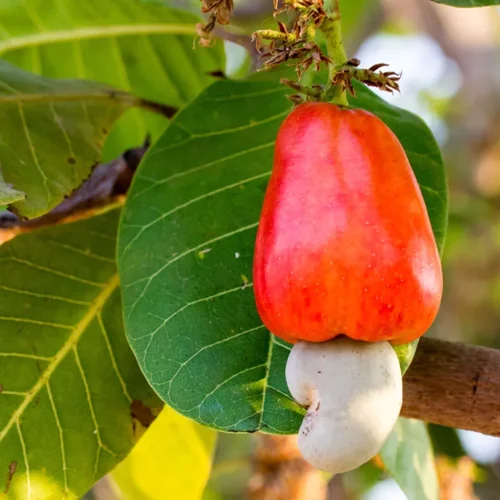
(186,249)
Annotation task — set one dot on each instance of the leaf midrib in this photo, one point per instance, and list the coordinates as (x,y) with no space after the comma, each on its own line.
(111,95)
(93,32)
(72,340)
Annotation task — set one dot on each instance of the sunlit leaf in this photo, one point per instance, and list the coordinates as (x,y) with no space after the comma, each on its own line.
(71,393)
(146,48)
(172,460)
(52,135)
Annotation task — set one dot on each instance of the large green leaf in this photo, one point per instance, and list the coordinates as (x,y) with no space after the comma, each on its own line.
(408,457)
(52,134)
(469,3)
(172,460)
(68,380)
(145,48)
(186,248)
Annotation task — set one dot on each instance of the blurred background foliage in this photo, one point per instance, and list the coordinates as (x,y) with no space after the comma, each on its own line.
(450,60)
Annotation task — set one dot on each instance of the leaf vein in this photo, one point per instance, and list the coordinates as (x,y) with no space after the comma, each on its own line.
(183,308)
(222,384)
(266,377)
(149,279)
(191,202)
(92,32)
(52,271)
(61,436)
(22,355)
(35,322)
(44,296)
(204,348)
(78,330)
(112,356)
(32,150)
(86,253)
(26,463)
(216,133)
(160,182)
(274,90)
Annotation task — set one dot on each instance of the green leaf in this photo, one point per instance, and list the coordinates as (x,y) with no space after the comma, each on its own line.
(408,457)
(469,3)
(445,441)
(172,460)
(8,194)
(145,48)
(405,353)
(52,135)
(69,381)
(186,247)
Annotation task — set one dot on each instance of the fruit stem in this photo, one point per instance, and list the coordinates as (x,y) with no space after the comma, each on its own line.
(331,28)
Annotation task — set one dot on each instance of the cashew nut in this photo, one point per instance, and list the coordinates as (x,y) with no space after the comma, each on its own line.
(353,391)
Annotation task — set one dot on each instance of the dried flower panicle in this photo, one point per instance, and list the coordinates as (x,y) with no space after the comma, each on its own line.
(219,12)
(387,80)
(296,44)
(305,53)
(311,13)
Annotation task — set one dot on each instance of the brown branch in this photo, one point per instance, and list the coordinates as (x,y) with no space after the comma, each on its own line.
(105,188)
(156,107)
(454,384)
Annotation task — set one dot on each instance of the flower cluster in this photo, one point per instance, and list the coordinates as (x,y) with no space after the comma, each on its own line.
(296,44)
(219,12)
(383,80)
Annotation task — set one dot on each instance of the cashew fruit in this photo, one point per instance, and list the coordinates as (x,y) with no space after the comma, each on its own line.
(344,244)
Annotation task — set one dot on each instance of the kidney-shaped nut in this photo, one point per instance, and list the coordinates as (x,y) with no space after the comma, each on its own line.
(353,392)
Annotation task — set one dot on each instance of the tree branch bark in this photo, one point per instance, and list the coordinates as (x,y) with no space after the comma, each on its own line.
(454,384)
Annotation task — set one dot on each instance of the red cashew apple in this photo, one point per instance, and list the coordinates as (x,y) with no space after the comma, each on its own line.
(344,245)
